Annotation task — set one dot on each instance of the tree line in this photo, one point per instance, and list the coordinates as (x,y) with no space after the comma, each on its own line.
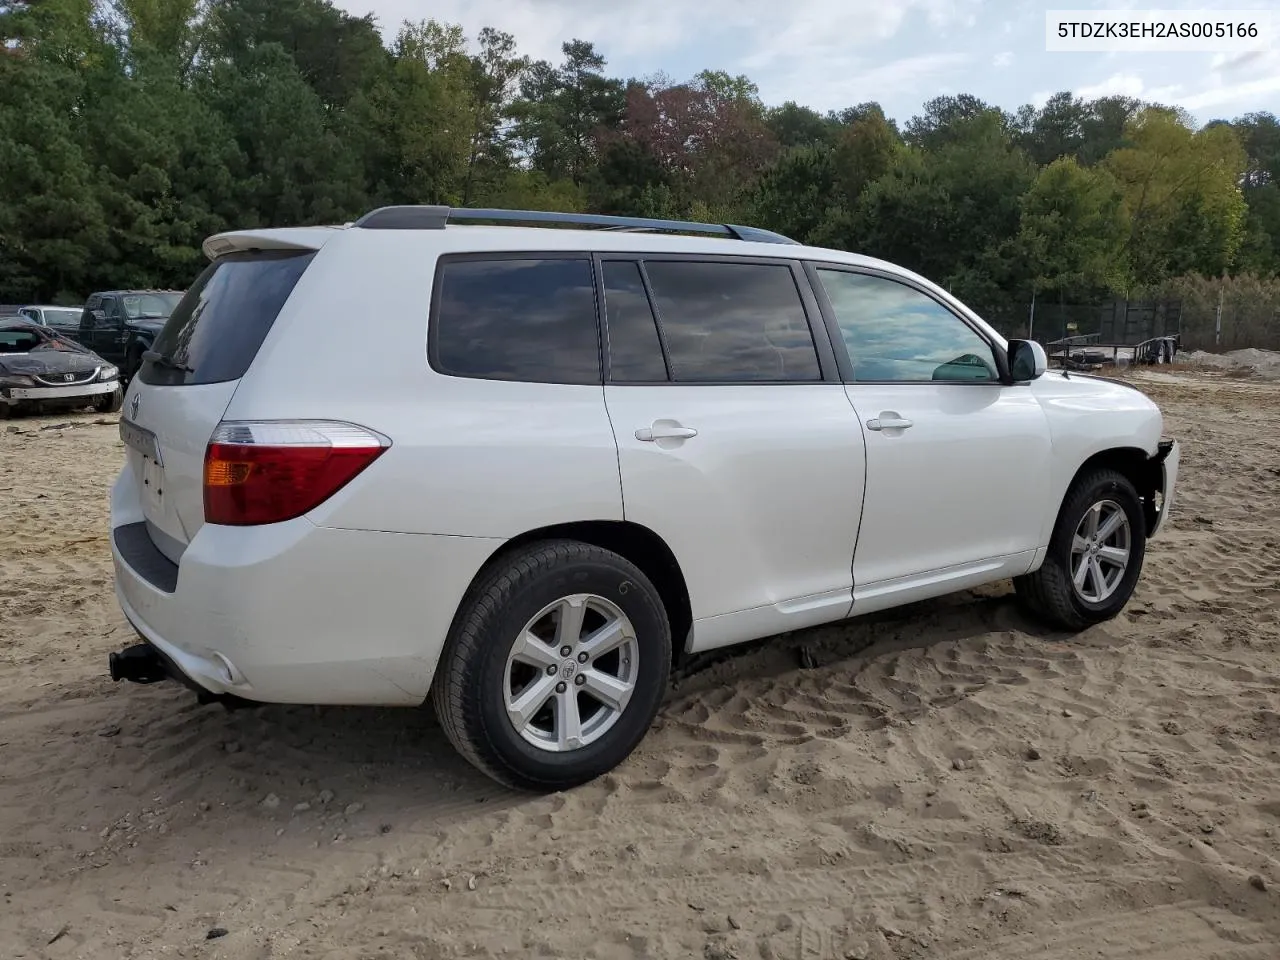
(132,129)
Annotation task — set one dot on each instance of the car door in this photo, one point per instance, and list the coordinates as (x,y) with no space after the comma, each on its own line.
(108,328)
(957,462)
(737,444)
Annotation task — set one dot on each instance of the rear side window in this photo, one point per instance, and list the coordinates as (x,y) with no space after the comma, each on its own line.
(216,329)
(635,353)
(733,322)
(531,320)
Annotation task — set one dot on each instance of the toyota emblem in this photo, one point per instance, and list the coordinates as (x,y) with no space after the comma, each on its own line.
(133,407)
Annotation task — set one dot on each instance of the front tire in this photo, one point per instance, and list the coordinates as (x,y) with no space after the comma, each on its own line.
(1095,554)
(555,666)
(109,402)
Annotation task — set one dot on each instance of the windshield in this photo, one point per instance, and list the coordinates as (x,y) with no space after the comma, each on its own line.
(154,306)
(25,337)
(63,316)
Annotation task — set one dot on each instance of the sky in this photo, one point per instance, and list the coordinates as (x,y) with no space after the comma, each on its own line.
(829,54)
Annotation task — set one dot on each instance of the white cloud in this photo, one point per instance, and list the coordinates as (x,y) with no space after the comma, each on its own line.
(1129,85)
(860,82)
(833,53)
(1233,94)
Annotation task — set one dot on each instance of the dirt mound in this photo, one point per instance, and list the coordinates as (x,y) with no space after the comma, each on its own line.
(1261,363)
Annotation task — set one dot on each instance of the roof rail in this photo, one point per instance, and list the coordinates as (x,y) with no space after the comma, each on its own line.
(437,217)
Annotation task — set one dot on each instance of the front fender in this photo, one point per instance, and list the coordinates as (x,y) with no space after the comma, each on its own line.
(1094,418)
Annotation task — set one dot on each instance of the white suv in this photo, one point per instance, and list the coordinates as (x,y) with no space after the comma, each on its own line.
(515,470)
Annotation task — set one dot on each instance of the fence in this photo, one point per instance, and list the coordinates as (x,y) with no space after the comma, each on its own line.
(1230,319)
(1112,321)
(1206,313)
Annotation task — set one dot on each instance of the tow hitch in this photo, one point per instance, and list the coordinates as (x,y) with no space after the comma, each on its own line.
(140,663)
(143,663)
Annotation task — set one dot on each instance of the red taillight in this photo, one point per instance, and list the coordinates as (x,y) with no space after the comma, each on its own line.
(269,471)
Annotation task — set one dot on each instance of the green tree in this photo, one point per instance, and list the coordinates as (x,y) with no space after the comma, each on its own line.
(951,213)
(1182,190)
(1073,230)
(562,111)
(793,125)
(496,72)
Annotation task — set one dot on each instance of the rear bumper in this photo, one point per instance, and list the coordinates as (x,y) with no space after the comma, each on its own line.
(294,612)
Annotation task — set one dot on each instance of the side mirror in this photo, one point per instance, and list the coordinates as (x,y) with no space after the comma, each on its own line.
(1027,360)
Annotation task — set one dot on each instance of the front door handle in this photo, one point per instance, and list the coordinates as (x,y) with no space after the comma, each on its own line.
(888,423)
(665,430)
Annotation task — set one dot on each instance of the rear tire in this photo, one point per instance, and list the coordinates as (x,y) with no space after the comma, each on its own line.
(519,707)
(1102,529)
(109,402)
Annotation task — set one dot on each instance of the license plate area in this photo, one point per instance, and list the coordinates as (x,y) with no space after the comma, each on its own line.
(153,483)
(144,442)
(141,440)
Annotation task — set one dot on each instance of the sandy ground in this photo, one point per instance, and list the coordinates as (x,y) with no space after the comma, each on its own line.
(949,781)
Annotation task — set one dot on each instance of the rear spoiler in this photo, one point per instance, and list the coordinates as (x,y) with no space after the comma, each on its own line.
(286,238)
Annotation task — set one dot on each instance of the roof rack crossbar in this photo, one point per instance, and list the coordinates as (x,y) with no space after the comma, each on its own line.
(437,217)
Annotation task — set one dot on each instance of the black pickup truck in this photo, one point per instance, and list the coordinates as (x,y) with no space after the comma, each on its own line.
(118,325)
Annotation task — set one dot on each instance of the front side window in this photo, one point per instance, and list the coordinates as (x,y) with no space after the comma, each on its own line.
(896,334)
(732,322)
(530,320)
(108,309)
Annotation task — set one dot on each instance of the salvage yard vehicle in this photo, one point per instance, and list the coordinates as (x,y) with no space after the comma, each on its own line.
(65,320)
(581,454)
(121,325)
(40,369)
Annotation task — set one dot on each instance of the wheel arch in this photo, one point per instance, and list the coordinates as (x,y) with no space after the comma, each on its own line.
(637,543)
(1137,466)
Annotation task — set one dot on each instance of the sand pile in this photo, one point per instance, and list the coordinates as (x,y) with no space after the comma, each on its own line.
(949,781)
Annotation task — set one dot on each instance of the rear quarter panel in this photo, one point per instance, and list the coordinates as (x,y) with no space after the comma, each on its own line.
(471,458)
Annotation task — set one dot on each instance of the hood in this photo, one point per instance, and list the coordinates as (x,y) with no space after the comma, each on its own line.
(1083,392)
(50,361)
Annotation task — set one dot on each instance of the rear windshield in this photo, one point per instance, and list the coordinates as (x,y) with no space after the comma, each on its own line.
(217,328)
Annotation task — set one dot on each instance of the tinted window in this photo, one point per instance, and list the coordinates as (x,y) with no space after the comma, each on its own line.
(732,322)
(897,334)
(218,326)
(635,353)
(531,320)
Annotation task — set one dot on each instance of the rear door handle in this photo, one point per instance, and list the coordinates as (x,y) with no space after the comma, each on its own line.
(888,423)
(661,430)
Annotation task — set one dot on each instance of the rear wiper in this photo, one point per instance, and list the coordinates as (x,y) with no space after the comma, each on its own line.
(160,360)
